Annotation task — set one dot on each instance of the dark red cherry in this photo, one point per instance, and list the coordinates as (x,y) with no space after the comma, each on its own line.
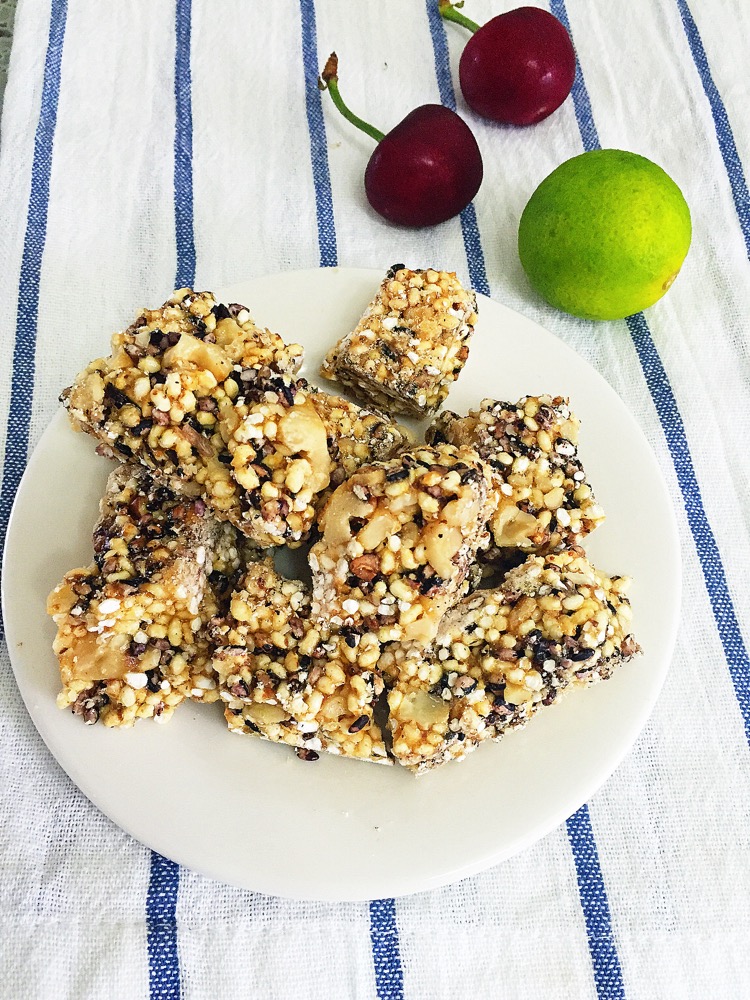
(517,68)
(425,170)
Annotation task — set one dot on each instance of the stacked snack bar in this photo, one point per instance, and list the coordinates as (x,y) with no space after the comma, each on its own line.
(131,627)
(228,453)
(411,343)
(287,681)
(208,402)
(502,654)
(545,502)
(398,539)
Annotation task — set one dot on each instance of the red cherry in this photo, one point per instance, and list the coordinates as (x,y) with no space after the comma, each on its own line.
(425,170)
(518,68)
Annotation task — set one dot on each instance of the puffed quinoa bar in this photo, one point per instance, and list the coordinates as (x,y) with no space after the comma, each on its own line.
(356,436)
(131,627)
(545,502)
(288,444)
(289,682)
(398,539)
(411,343)
(210,406)
(500,655)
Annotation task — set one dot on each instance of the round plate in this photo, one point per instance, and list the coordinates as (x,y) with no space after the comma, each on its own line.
(249,812)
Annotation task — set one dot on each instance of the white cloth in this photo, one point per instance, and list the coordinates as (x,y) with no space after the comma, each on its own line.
(662,911)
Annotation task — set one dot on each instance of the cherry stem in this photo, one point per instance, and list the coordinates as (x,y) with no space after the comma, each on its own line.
(329,81)
(448,11)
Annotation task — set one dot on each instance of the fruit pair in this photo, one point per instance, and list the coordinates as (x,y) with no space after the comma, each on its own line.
(517,69)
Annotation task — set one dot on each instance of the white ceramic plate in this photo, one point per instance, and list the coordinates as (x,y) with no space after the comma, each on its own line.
(250,813)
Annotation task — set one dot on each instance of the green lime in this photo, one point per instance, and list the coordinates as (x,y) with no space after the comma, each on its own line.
(604,235)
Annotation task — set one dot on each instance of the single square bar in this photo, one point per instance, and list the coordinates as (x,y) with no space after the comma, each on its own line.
(545,503)
(501,655)
(411,343)
(398,539)
(209,404)
(131,627)
(288,682)
(289,445)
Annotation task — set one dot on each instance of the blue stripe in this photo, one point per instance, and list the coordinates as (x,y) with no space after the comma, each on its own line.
(389,976)
(183,149)
(715,578)
(469,224)
(24,351)
(161,929)
(724,134)
(318,143)
(581,102)
(386,955)
(607,971)
(673,426)
(164,875)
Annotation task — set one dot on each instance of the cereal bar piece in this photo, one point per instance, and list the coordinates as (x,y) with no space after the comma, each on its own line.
(209,405)
(131,628)
(289,682)
(398,540)
(288,444)
(545,501)
(411,343)
(356,436)
(192,335)
(157,397)
(500,655)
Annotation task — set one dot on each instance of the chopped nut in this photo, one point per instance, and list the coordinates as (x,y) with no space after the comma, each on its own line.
(365,567)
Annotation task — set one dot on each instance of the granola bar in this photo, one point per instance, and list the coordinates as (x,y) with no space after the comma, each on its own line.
(545,502)
(500,655)
(398,539)
(288,444)
(131,627)
(287,681)
(411,343)
(211,407)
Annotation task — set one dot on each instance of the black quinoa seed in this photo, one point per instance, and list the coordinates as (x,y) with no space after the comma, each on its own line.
(117,396)
(394,477)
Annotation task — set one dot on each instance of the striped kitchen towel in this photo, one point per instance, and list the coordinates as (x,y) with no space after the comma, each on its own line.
(152,145)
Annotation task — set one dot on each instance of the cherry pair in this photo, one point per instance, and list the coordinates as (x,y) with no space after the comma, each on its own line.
(516,69)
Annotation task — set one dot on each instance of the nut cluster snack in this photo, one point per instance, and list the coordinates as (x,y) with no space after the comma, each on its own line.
(208,402)
(131,627)
(502,654)
(545,502)
(397,651)
(411,343)
(398,538)
(286,680)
